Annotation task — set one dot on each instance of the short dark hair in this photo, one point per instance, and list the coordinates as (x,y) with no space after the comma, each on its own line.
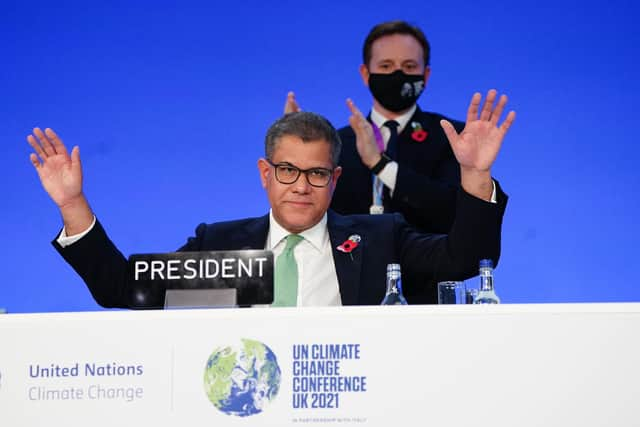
(306,126)
(395,27)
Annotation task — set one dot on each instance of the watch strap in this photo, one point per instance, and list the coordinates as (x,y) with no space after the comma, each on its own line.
(384,160)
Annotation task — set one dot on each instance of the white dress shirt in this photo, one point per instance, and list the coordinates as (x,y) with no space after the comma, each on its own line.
(389,173)
(317,277)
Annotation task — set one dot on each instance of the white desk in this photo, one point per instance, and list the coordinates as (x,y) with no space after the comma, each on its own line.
(507,365)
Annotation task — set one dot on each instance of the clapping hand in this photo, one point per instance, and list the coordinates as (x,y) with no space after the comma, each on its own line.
(365,138)
(291,105)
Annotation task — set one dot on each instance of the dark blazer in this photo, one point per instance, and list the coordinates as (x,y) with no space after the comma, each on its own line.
(424,258)
(427,181)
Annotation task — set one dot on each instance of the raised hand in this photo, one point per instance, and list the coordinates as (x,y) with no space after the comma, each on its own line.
(365,138)
(477,146)
(61,177)
(291,105)
(60,174)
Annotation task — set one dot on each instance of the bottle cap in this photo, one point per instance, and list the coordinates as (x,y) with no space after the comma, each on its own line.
(486,263)
(393,267)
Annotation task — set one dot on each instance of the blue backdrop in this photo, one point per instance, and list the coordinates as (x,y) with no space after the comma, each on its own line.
(169,103)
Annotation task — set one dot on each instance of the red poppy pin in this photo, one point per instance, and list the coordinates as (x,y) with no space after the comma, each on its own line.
(418,133)
(350,244)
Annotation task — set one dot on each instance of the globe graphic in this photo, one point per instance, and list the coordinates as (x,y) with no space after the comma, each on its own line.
(241,380)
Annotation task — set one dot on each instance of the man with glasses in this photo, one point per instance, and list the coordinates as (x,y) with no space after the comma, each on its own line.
(300,225)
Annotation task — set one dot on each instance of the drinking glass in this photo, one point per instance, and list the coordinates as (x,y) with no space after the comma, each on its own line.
(452,292)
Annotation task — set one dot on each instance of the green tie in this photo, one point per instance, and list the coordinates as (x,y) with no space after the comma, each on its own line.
(286,275)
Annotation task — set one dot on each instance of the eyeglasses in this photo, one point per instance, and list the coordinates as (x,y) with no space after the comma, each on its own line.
(286,173)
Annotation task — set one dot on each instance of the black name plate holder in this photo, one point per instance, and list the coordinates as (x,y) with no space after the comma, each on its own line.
(162,279)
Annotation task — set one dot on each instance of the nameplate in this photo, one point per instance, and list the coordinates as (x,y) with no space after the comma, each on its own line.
(249,272)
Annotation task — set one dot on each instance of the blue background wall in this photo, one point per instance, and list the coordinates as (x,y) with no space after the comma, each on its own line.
(169,103)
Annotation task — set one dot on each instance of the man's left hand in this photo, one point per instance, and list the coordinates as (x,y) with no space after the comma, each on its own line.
(477,146)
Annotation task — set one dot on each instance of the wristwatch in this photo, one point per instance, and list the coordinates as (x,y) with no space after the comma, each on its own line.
(384,159)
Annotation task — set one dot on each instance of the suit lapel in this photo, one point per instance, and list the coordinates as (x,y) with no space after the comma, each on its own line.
(255,233)
(405,135)
(348,265)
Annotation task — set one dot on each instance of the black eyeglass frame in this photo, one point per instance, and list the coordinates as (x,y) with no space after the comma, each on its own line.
(300,171)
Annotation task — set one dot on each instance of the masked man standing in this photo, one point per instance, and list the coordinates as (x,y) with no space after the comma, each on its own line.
(411,169)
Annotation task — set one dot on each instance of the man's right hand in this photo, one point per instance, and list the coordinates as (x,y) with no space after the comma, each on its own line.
(61,177)
(291,105)
(365,137)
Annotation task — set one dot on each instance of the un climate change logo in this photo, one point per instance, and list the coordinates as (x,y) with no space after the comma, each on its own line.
(242,380)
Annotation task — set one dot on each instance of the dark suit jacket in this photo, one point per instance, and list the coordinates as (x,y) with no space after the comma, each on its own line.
(428,177)
(424,258)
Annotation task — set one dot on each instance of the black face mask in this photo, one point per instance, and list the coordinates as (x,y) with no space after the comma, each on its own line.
(396,91)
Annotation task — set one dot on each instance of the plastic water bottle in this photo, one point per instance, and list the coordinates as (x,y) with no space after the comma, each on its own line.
(486,293)
(394,287)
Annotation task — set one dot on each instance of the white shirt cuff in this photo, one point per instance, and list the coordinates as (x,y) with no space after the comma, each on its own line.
(494,197)
(64,240)
(388,175)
